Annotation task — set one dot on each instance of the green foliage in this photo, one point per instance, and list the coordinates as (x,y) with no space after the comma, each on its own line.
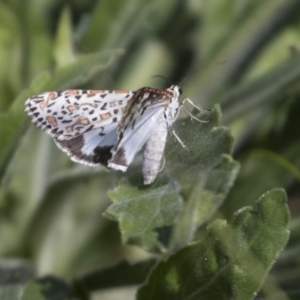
(147,215)
(56,216)
(233,257)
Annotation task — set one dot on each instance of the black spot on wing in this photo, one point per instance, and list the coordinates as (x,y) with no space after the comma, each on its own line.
(53,131)
(102,154)
(103,107)
(74,147)
(36,100)
(49,105)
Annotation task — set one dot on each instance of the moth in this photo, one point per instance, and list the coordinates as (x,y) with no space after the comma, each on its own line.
(109,127)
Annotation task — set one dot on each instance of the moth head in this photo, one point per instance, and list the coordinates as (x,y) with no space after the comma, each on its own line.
(177,89)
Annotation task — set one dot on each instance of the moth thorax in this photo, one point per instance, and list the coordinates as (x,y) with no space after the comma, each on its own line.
(154,151)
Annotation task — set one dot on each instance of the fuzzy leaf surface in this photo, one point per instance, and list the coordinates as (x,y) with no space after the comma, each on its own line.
(231,262)
(146,214)
(204,174)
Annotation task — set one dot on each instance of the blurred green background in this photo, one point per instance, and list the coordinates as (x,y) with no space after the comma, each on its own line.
(50,208)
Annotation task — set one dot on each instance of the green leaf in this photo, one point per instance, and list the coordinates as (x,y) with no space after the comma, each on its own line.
(72,203)
(52,288)
(204,198)
(34,291)
(48,288)
(205,173)
(63,48)
(259,93)
(268,170)
(122,274)
(112,24)
(10,54)
(108,20)
(12,292)
(206,143)
(145,214)
(83,69)
(249,28)
(231,262)
(12,122)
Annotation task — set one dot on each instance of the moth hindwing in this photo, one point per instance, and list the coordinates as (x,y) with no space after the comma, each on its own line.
(109,127)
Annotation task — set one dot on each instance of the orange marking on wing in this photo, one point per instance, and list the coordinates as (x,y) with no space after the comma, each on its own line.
(72,107)
(105,116)
(112,104)
(52,95)
(44,104)
(70,129)
(72,92)
(52,121)
(90,104)
(121,92)
(95,92)
(84,121)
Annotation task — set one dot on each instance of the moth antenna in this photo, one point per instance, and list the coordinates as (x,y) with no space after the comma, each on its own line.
(165,78)
(189,75)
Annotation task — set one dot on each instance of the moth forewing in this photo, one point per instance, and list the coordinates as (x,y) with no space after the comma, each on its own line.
(83,123)
(134,132)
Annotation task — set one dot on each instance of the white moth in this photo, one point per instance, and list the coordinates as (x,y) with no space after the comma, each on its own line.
(109,127)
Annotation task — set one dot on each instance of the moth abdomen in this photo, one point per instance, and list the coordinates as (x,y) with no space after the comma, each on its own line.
(154,152)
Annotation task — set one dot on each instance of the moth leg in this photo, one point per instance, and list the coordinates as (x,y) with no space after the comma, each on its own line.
(192,116)
(193,104)
(189,113)
(163,164)
(177,138)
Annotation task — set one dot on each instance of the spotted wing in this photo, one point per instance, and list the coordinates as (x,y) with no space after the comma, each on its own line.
(83,123)
(141,117)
